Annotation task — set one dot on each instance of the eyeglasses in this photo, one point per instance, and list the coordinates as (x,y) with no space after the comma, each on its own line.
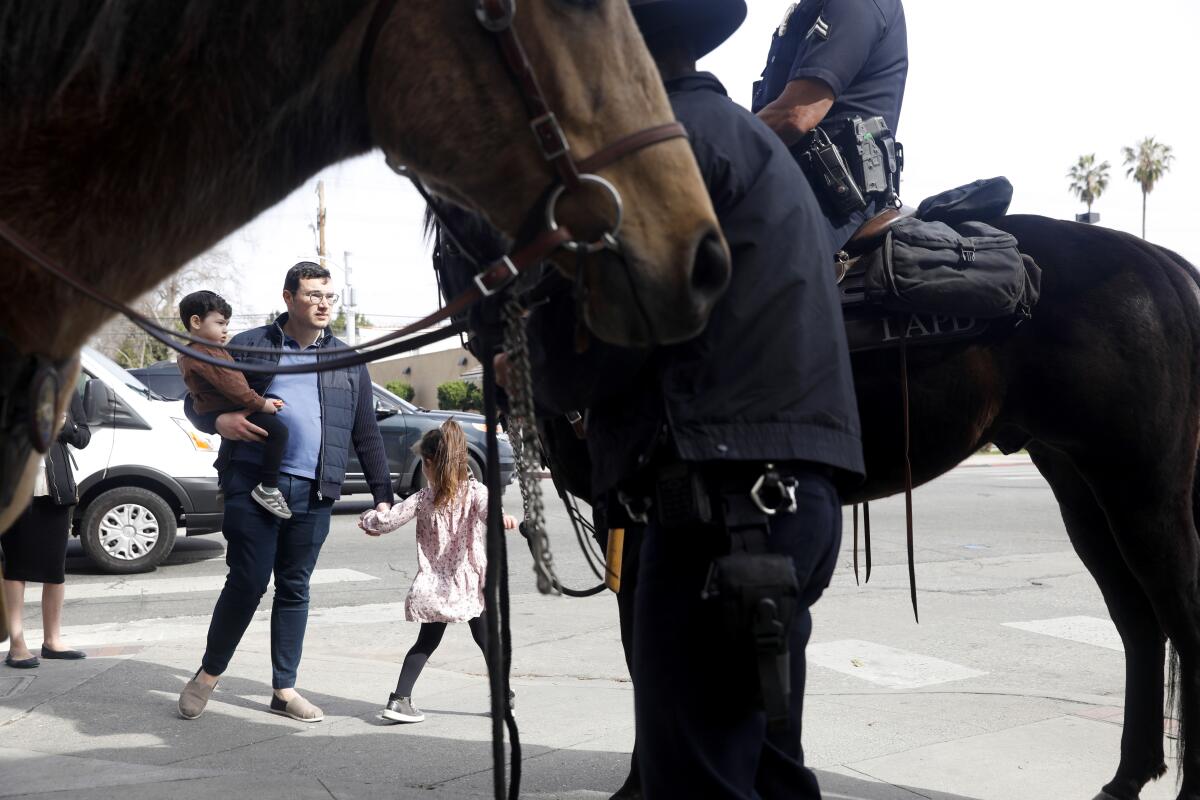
(315,298)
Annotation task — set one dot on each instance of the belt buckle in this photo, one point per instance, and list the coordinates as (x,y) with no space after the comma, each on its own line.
(771,481)
(637,508)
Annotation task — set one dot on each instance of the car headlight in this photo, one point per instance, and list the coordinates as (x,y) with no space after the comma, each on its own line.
(200,441)
(500,434)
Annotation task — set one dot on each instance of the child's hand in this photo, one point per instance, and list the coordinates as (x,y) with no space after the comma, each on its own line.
(510,522)
(271,405)
(362,523)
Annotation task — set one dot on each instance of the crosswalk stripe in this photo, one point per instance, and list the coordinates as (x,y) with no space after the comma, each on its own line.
(164,629)
(1085,630)
(121,587)
(886,666)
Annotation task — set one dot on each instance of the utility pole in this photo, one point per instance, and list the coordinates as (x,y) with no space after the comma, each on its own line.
(321,222)
(348,304)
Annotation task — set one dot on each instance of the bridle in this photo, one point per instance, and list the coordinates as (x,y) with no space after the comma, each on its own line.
(497,17)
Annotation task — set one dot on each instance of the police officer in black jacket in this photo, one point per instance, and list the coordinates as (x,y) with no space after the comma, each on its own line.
(831,61)
(729,447)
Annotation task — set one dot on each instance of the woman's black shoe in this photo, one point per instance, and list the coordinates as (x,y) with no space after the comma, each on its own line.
(24,663)
(65,655)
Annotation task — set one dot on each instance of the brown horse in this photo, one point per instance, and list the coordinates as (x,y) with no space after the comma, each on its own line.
(1102,386)
(135,134)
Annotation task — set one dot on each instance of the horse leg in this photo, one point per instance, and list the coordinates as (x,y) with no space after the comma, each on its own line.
(1132,613)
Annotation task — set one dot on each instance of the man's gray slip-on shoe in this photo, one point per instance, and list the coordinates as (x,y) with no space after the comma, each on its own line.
(194,698)
(297,708)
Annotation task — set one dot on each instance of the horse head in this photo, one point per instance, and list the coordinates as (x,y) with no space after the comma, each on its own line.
(464,129)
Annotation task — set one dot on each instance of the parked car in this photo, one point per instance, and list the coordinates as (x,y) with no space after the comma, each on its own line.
(401,423)
(147,475)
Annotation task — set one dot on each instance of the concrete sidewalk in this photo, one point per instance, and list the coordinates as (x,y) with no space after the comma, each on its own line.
(107,727)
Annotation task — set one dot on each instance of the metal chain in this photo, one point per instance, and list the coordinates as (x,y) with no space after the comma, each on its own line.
(522,433)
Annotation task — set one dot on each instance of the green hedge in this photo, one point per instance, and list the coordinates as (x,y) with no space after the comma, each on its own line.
(401,389)
(459,396)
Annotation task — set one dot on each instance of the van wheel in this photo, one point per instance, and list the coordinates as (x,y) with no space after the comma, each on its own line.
(128,529)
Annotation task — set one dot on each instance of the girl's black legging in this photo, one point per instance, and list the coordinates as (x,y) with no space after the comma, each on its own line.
(427,641)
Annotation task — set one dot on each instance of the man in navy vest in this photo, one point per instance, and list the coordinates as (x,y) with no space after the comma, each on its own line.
(832,60)
(326,413)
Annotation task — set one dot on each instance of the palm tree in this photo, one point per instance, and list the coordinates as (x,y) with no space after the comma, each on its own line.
(1088,179)
(1146,165)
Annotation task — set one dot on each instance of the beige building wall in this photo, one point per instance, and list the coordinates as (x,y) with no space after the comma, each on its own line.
(425,372)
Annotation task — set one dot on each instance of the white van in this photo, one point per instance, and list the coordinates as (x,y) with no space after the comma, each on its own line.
(146,476)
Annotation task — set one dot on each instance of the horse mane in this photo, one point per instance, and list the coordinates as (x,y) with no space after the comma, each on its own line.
(471,229)
(47,48)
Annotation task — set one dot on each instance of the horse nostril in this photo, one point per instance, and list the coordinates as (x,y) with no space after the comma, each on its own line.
(710,270)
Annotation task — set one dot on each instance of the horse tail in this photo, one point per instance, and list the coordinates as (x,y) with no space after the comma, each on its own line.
(1174,705)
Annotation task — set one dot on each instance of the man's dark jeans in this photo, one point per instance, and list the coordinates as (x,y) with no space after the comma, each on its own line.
(260,543)
(698,732)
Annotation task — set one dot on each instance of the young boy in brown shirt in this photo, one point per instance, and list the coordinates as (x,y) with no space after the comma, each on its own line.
(206,315)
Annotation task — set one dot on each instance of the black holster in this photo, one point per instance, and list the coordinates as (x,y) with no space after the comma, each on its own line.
(758,596)
(852,163)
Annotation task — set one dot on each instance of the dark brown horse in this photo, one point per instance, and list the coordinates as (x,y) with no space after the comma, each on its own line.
(135,134)
(1102,386)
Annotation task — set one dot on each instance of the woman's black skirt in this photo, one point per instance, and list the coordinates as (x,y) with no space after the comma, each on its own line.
(35,547)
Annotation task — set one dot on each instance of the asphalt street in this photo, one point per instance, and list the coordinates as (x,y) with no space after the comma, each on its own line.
(1011,685)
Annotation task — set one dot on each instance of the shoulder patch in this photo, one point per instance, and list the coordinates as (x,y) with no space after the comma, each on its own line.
(820,29)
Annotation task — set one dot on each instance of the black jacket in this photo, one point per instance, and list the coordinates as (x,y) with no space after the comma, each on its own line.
(347,414)
(60,476)
(769,378)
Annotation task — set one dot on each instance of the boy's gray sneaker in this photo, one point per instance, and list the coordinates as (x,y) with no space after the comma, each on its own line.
(272,500)
(401,709)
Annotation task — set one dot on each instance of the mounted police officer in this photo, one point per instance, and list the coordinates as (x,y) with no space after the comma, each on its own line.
(727,447)
(832,90)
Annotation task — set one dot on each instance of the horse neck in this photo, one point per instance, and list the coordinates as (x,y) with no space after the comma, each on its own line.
(132,162)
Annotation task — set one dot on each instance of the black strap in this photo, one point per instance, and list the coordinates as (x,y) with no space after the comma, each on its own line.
(499,651)
(908,480)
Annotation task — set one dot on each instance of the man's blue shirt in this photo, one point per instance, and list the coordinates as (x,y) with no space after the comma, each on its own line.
(301,413)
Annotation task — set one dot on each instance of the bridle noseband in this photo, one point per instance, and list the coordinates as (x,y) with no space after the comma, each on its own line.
(497,18)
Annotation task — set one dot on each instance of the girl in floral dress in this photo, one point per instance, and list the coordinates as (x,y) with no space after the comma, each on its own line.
(451,514)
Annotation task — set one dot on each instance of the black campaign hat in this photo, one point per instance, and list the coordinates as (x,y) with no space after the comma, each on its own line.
(707,23)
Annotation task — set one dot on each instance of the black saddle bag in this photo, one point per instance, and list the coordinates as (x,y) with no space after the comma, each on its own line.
(973,270)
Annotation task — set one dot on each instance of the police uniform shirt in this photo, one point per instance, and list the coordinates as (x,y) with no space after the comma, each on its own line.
(769,377)
(858,47)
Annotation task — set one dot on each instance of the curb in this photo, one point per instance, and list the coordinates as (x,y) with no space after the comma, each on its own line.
(997,461)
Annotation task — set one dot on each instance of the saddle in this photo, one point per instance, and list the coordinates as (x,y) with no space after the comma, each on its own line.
(932,275)
(871,233)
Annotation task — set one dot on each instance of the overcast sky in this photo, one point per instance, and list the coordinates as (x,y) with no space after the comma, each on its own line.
(1019,88)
